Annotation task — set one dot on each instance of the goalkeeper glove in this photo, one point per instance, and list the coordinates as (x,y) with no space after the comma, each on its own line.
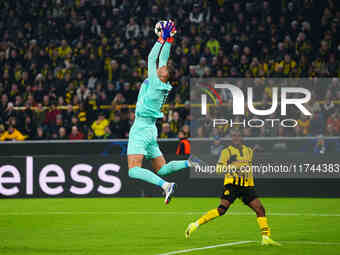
(168,32)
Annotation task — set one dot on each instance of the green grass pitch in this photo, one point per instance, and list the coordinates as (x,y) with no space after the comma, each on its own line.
(146,226)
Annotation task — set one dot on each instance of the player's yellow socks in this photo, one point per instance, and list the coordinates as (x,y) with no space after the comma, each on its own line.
(212,214)
(263,225)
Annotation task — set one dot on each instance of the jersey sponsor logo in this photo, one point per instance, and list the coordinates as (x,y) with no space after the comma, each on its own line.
(227,192)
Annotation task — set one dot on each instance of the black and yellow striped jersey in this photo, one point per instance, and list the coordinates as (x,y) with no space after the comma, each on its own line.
(237,165)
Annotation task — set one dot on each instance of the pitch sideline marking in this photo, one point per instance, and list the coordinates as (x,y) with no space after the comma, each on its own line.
(245,242)
(206,247)
(310,242)
(160,213)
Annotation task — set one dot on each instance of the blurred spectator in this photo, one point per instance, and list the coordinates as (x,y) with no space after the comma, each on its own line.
(62,134)
(165,131)
(99,126)
(76,134)
(90,134)
(2,130)
(82,114)
(83,92)
(175,123)
(29,128)
(186,130)
(196,16)
(40,134)
(53,129)
(68,115)
(9,112)
(304,124)
(183,147)
(108,133)
(320,146)
(328,107)
(216,147)
(80,54)
(317,124)
(213,45)
(333,122)
(51,114)
(39,115)
(117,126)
(132,29)
(12,134)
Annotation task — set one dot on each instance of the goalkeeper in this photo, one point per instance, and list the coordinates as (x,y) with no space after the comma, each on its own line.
(143,133)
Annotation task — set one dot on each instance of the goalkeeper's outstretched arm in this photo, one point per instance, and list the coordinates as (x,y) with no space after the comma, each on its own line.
(152,59)
(165,53)
(163,44)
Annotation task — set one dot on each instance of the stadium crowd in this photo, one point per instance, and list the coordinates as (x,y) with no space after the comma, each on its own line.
(71,69)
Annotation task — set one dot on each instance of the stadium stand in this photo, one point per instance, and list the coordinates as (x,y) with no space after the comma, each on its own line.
(72,69)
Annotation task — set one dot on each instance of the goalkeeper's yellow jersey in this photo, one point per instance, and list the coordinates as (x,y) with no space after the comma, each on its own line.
(243,157)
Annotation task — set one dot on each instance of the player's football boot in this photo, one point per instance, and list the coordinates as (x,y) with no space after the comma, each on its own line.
(190,229)
(266,240)
(194,161)
(169,191)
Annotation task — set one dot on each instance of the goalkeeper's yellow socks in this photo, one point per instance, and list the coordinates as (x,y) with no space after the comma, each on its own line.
(263,225)
(212,214)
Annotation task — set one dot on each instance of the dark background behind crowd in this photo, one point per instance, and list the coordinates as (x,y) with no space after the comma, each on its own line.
(71,69)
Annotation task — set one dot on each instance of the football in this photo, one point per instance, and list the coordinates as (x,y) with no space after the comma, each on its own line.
(158,28)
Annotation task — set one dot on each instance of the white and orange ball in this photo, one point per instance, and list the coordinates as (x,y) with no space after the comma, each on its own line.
(158,28)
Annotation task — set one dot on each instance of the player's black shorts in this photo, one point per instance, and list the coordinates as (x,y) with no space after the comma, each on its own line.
(231,192)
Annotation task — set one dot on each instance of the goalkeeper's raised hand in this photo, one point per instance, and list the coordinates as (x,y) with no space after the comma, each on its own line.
(168,31)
